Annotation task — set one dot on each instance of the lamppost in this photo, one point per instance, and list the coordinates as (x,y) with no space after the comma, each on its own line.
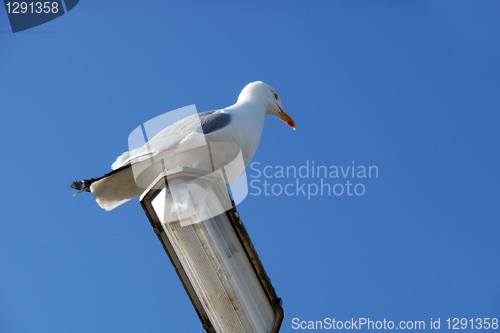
(197,223)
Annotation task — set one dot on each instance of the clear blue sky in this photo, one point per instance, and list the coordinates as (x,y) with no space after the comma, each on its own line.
(411,87)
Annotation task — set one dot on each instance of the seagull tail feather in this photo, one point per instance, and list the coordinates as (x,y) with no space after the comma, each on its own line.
(84,185)
(111,190)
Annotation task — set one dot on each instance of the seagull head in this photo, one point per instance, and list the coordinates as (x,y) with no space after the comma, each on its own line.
(270,97)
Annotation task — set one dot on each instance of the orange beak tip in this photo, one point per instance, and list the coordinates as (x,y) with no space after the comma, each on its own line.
(286,118)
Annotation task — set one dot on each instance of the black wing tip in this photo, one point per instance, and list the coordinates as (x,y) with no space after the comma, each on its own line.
(82,185)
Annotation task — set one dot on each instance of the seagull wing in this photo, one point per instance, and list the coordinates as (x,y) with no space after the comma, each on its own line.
(182,135)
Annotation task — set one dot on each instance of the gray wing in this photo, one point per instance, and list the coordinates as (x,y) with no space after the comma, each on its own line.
(172,136)
(212,121)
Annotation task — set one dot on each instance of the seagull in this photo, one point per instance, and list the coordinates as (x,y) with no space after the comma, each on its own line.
(227,133)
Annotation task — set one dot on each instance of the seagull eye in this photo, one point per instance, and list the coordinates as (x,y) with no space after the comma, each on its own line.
(276,96)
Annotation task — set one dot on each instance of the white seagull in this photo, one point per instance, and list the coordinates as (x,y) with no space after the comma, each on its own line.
(227,132)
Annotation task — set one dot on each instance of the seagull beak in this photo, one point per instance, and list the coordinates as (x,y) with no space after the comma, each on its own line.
(286,118)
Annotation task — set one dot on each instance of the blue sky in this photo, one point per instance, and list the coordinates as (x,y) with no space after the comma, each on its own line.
(409,87)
